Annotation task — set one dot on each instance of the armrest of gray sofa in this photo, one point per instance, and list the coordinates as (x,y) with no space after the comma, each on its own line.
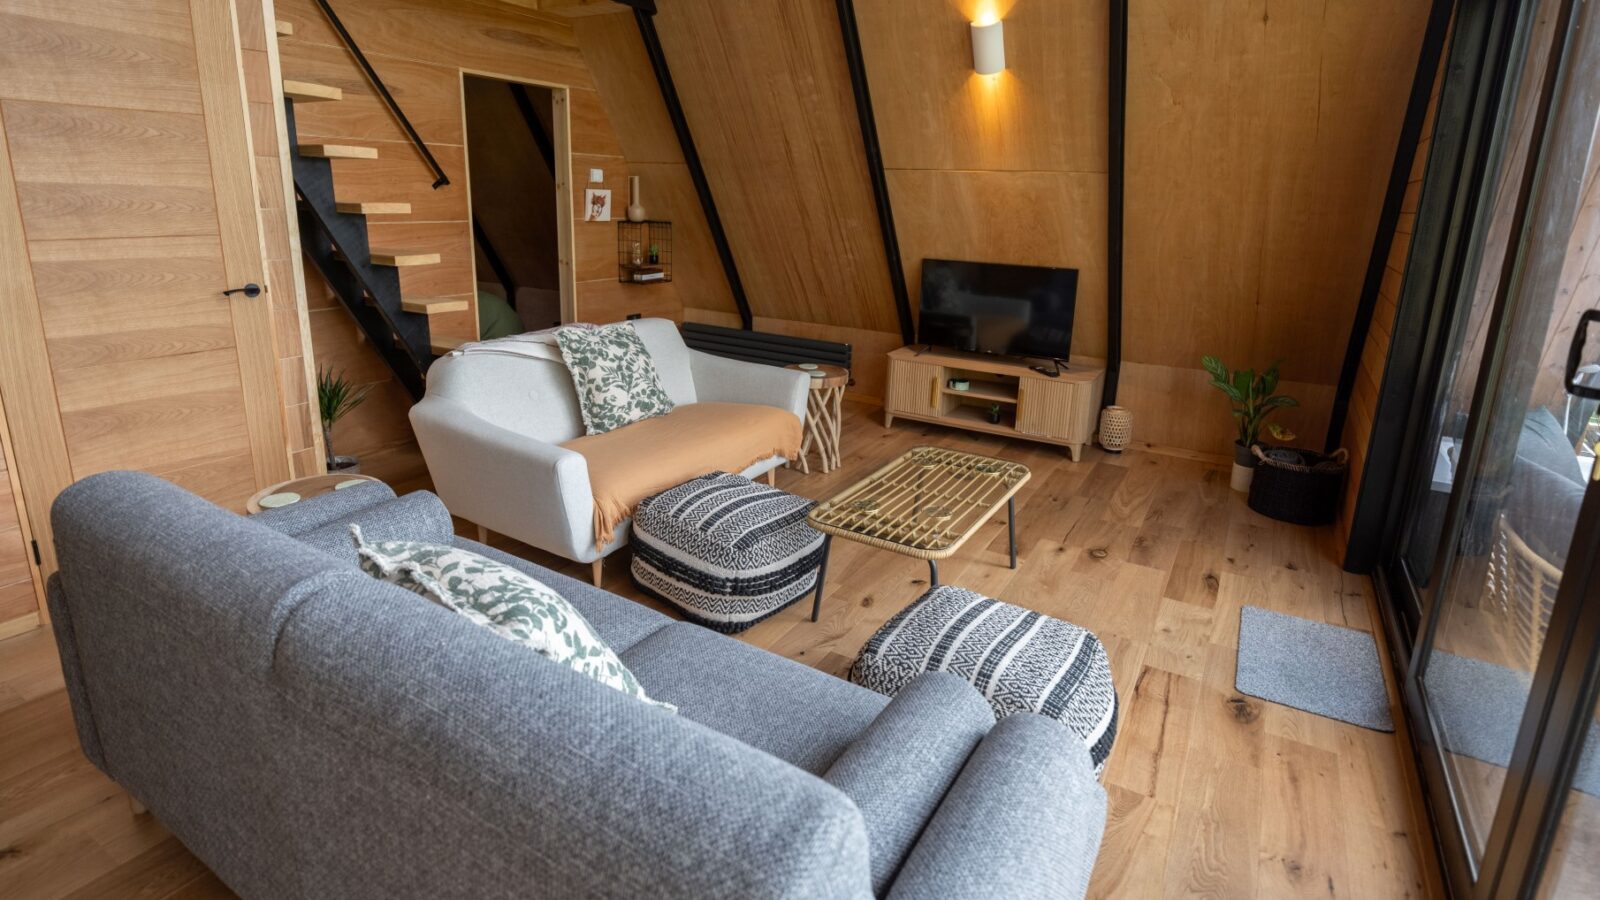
(900,767)
(1024,819)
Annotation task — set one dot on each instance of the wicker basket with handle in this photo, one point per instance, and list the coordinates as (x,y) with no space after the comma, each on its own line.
(1298,486)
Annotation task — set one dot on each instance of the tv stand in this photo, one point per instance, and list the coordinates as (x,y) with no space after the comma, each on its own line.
(1034,406)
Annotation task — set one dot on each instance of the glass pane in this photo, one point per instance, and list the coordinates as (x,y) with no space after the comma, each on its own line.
(1536,460)
(1465,339)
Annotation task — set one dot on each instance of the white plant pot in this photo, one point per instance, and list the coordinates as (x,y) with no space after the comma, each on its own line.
(1242,476)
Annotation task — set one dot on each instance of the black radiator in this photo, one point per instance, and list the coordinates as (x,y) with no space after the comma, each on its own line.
(764,347)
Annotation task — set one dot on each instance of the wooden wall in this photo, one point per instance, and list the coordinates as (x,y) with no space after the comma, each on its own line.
(420,48)
(21,591)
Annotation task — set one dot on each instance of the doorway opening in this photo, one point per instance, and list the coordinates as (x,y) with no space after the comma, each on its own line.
(516,142)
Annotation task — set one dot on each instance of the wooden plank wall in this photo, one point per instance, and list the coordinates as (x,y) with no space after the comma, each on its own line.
(767,94)
(21,593)
(420,48)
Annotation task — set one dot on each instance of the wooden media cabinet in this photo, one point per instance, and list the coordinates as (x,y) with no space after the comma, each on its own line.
(1035,407)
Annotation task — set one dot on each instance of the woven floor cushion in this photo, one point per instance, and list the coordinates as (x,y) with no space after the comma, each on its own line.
(724,550)
(1020,660)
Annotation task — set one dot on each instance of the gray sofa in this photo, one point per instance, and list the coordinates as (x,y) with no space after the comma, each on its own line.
(309,731)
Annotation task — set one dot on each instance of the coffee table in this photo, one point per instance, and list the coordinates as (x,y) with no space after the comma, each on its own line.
(924,504)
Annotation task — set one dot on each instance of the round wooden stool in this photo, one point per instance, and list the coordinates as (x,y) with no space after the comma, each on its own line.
(296,489)
(824,413)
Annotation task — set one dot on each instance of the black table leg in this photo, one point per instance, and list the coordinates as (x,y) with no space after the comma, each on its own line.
(1011,525)
(822,573)
(933,573)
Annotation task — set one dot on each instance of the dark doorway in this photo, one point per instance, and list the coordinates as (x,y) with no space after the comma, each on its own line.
(511,166)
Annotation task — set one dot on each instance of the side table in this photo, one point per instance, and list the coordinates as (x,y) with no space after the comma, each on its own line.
(294,490)
(824,413)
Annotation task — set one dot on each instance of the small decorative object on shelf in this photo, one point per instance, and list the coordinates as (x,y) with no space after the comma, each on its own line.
(635,204)
(1116,428)
(994,413)
(644,252)
(960,384)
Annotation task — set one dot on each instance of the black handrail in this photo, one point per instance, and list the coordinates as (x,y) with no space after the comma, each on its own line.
(440,179)
(495,262)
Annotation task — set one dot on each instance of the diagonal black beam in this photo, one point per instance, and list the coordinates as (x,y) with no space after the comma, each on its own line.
(1116,155)
(643,10)
(495,262)
(880,184)
(1399,174)
(530,117)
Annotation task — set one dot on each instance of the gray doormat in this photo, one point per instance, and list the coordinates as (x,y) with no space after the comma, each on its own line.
(1477,708)
(1320,668)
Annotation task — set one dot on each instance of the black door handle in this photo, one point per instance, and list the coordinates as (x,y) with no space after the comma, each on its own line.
(250,290)
(1575,357)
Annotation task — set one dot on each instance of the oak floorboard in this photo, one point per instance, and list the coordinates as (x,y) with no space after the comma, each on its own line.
(1210,794)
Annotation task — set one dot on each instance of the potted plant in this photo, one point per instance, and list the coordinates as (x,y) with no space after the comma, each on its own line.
(1254,397)
(336,397)
(994,414)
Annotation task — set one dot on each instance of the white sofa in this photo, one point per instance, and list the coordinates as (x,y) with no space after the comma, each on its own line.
(490,428)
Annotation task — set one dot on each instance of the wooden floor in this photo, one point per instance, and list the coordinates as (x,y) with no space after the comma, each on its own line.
(1212,794)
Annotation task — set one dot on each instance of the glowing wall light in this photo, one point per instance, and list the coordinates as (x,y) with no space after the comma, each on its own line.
(988,45)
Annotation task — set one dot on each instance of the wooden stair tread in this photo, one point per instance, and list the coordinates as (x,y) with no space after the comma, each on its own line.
(285,28)
(428,306)
(373,208)
(441,344)
(338,151)
(309,92)
(403,258)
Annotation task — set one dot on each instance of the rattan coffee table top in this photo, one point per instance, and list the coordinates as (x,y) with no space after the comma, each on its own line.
(924,504)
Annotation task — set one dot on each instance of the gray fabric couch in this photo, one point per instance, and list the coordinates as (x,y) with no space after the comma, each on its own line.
(310,732)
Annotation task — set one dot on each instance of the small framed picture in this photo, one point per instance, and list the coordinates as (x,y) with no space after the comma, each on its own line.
(597,206)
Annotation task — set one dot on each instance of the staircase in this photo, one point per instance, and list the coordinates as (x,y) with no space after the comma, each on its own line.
(366,279)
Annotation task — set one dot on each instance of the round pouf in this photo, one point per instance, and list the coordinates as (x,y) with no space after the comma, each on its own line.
(1022,661)
(724,550)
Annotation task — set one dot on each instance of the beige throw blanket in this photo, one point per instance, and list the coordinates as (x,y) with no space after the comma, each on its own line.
(645,458)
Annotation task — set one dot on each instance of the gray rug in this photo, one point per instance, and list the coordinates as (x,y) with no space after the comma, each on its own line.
(1477,708)
(1320,668)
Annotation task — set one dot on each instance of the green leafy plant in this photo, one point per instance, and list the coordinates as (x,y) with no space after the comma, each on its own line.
(336,397)
(1254,398)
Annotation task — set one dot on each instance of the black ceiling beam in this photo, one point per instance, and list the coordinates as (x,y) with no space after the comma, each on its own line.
(1116,154)
(643,14)
(874,153)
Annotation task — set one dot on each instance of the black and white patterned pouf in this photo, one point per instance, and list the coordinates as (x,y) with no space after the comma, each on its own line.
(1020,660)
(726,551)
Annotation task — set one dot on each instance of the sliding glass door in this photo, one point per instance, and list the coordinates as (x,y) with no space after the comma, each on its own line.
(1496,539)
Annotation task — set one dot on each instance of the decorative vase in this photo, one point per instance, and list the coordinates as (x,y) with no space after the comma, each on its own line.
(635,204)
(1116,428)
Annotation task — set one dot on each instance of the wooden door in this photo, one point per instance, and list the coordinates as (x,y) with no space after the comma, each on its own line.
(913,388)
(1046,409)
(127,207)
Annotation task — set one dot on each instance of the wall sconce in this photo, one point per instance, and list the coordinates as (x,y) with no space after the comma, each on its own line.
(988,45)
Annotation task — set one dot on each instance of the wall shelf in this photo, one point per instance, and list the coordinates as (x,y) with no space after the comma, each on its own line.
(644,252)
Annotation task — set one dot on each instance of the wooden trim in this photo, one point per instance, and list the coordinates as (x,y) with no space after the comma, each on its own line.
(39,448)
(21,625)
(296,256)
(9,451)
(216,38)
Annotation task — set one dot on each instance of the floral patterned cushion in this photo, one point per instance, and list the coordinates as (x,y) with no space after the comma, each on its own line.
(508,602)
(616,380)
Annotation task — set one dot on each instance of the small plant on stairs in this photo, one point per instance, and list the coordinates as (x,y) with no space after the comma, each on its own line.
(336,397)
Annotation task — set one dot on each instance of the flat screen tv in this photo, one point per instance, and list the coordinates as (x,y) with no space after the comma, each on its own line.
(997,308)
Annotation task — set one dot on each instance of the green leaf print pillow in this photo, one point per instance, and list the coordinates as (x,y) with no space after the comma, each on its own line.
(502,599)
(616,379)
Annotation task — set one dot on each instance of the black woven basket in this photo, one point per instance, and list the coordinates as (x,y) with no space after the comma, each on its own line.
(1298,486)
